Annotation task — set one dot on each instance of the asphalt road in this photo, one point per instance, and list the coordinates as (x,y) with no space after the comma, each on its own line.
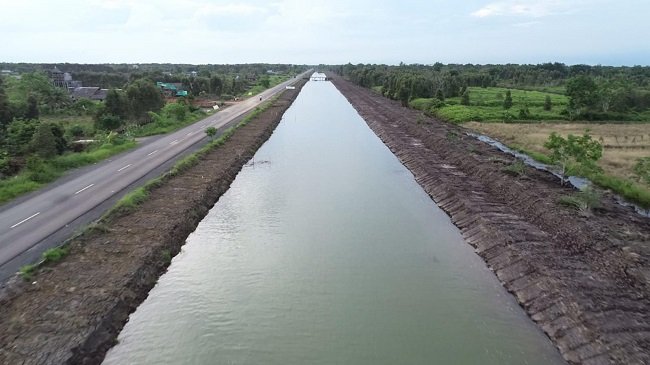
(28,223)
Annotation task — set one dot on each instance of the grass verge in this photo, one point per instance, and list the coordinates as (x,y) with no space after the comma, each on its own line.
(42,172)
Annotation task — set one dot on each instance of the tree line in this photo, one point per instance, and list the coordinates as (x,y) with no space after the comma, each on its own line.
(595,92)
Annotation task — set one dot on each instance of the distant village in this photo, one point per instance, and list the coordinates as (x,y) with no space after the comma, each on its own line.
(78,91)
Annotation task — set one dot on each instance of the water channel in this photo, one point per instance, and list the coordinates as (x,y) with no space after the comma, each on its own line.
(326,251)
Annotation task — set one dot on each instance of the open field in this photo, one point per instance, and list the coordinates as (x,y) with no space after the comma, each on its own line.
(623,143)
(486,105)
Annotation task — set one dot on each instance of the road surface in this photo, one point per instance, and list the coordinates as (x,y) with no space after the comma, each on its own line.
(27,227)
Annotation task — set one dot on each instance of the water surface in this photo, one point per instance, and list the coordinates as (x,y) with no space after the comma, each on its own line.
(326,251)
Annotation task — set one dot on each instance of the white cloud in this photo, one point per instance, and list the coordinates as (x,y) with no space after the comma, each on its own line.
(526,8)
(230,9)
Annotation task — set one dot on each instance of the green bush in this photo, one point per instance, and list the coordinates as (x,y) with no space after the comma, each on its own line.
(642,169)
(54,254)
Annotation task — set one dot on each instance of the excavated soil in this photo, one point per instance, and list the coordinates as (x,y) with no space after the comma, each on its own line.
(73,310)
(584,278)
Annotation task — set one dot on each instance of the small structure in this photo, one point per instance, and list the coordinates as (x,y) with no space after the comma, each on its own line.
(89,92)
(318,76)
(171,89)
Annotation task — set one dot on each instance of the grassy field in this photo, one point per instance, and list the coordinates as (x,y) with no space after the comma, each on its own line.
(274,80)
(623,145)
(486,105)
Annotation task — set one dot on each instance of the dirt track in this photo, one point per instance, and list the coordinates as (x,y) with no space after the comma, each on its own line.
(584,279)
(74,310)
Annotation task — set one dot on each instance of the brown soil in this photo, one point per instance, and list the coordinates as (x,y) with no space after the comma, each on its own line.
(584,278)
(74,309)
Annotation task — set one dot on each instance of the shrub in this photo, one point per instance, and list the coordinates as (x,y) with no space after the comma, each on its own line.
(54,254)
(642,169)
(583,151)
(517,168)
(584,201)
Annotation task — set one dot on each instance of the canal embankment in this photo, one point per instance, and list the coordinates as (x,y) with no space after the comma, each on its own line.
(71,311)
(325,250)
(583,277)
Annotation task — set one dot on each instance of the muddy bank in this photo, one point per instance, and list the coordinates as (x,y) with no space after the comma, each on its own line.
(74,309)
(584,279)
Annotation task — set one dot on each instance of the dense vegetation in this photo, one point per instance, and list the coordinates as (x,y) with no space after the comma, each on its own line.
(44,132)
(578,92)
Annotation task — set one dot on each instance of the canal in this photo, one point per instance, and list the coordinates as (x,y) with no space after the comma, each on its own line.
(326,251)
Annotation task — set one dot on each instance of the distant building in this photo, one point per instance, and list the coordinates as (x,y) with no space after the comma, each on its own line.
(5,72)
(89,92)
(73,85)
(57,77)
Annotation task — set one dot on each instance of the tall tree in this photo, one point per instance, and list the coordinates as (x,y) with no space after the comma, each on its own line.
(548,105)
(44,142)
(144,97)
(5,111)
(582,92)
(216,85)
(32,107)
(464,99)
(19,135)
(440,95)
(507,102)
(117,104)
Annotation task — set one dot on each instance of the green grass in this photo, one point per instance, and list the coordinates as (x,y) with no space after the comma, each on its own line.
(163,124)
(55,254)
(584,201)
(74,160)
(517,169)
(132,199)
(486,105)
(273,81)
(34,177)
(629,190)
(27,271)
(51,255)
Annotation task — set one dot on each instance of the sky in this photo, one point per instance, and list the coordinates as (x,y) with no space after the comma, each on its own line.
(607,32)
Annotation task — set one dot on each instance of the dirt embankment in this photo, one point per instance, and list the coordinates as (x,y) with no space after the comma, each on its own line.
(584,279)
(73,310)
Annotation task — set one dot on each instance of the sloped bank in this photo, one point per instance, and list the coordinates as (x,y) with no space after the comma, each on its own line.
(74,309)
(584,279)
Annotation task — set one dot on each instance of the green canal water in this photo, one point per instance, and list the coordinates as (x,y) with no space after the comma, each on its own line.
(326,251)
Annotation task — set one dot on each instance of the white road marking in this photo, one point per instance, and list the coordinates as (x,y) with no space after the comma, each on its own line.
(125,167)
(174,141)
(25,220)
(89,186)
(152,153)
(189,134)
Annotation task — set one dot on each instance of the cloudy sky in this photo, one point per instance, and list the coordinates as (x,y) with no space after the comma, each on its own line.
(610,32)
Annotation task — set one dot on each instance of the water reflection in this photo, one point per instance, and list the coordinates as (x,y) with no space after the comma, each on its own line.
(329,253)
